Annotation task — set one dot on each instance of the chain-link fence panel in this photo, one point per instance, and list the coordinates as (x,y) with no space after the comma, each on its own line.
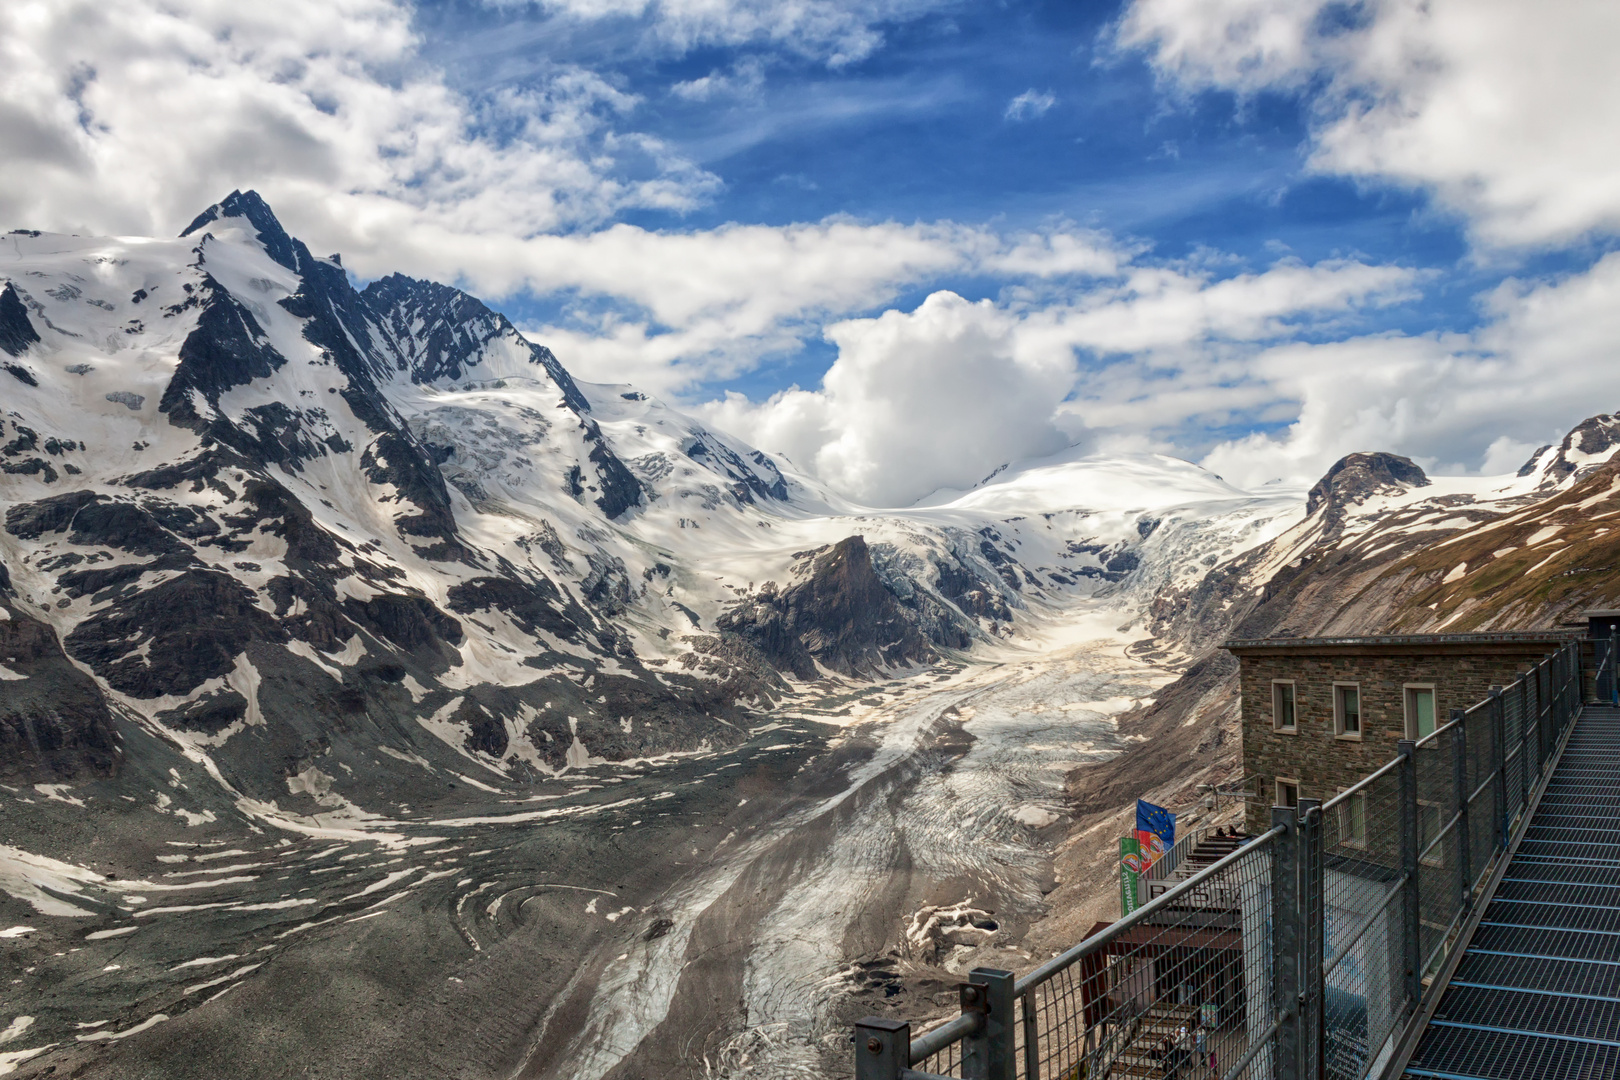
(1364,989)
(1182,986)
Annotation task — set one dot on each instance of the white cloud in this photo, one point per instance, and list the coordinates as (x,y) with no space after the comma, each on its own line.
(1454,402)
(1030,104)
(131,117)
(916,401)
(938,396)
(1243,45)
(745,80)
(1500,107)
(836,32)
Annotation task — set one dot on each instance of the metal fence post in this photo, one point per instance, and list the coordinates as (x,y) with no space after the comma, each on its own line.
(1556,671)
(1564,674)
(1032,1041)
(1313,940)
(1525,782)
(988,1053)
(1459,751)
(1577,692)
(1567,711)
(1411,900)
(1499,738)
(882,1048)
(1532,721)
(1544,713)
(1286,935)
(1613,663)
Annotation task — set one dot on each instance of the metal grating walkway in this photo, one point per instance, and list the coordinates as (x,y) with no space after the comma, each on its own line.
(1537,993)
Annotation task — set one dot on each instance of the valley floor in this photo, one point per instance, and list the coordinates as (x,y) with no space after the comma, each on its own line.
(716,915)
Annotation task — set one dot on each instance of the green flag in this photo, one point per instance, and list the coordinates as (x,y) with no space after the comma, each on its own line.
(1130,868)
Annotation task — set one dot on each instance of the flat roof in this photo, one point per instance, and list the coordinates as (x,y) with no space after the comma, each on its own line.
(1391,642)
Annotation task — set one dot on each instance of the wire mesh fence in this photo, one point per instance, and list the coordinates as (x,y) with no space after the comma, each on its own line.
(1305,952)
(1183,989)
(1364,989)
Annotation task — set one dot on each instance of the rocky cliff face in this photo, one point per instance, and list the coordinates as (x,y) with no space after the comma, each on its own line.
(272,519)
(55,725)
(838,614)
(1587,446)
(1355,478)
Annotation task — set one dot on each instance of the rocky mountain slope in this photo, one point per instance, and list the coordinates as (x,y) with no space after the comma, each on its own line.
(323,601)
(1382,548)
(275,518)
(293,569)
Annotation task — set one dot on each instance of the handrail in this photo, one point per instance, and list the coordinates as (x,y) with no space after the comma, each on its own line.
(1365,781)
(932,1042)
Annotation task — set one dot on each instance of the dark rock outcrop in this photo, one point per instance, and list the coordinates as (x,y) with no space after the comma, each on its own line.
(411,623)
(1355,478)
(761,479)
(533,606)
(441,332)
(16,331)
(227,348)
(175,636)
(1592,436)
(250,205)
(54,722)
(30,521)
(839,614)
(620,490)
(209,714)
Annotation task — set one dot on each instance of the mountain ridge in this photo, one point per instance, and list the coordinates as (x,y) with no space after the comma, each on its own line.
(541,698)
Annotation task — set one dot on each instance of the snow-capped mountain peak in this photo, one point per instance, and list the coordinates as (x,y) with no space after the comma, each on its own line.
(235,485)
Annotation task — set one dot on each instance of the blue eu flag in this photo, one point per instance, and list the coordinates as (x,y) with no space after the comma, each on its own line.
(1155,829)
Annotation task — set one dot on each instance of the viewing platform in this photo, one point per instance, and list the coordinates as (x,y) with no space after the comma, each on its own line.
(1537,990)
(1434,892)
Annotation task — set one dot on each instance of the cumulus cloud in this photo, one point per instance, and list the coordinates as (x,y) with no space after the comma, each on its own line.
(1030,104)
(916,401)
(1455,402)
(1496,106)
(938,396)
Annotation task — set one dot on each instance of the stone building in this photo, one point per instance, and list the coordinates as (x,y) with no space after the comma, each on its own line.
(1321,713)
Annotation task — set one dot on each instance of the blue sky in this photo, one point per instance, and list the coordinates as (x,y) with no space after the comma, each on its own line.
(919,130)
(904,241)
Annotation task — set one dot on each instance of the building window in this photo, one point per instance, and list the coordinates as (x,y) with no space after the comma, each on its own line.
(1287,793)
(1353,820)
(1282,706)
(1347,710)
(1419,711)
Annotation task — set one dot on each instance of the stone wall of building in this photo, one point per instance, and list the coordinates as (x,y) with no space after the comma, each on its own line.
(1325,764)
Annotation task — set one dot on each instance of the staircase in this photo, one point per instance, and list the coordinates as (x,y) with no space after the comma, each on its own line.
(1141,1058)
(1206,851)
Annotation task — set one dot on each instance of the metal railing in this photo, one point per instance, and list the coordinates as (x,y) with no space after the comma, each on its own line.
(1311,951)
